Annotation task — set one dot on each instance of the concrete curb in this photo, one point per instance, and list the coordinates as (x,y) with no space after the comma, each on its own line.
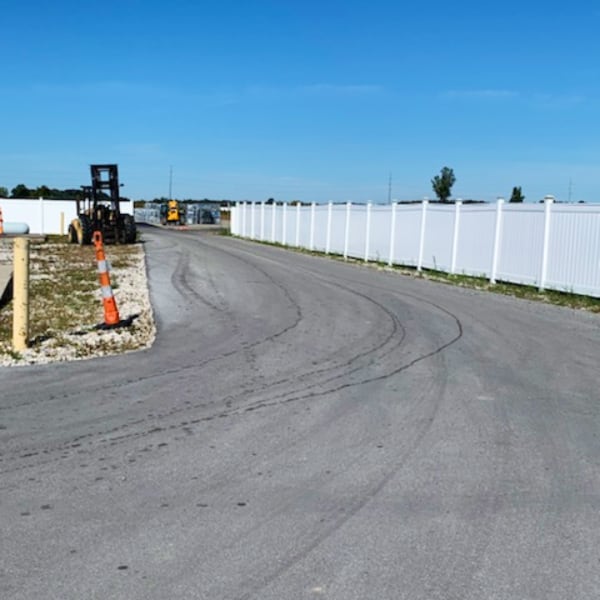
(5,284)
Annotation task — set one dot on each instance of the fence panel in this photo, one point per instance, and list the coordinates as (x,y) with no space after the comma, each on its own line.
(521,244)
(439,234)
(304,230)
(42,215)
(379,247)
(338,228)
(358,230)
(574,249)
(407,234)
(320,233)
(476,240)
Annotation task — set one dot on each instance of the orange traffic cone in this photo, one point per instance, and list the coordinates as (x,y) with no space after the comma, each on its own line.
(1,223)
(111,313)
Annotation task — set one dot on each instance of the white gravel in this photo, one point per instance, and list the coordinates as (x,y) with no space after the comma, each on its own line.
(133,300)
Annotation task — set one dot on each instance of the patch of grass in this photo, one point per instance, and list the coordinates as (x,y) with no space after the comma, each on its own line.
(527,292)
(64,292)
(224,231)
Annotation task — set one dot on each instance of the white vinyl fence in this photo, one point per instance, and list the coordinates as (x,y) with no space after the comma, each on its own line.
(42,215)
(555,246)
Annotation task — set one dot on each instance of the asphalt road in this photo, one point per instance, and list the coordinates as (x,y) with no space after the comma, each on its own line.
(306,428)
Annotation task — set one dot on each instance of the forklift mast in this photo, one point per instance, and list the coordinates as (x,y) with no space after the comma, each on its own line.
(100,210)
(105,180)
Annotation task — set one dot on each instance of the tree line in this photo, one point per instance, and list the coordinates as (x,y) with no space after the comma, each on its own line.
(21,191)
(442,186)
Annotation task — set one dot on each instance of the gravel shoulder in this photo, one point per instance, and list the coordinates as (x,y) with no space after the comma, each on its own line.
(70,321)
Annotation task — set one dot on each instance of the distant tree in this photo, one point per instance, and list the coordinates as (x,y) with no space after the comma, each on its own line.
(517,195)
(270,201)
(20,191)
(3,192)
(442,184)
(42,191)
(71,194)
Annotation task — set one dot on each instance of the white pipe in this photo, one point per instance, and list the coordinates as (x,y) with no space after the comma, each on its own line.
(16,228)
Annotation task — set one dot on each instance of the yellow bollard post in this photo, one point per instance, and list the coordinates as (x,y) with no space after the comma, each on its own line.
(20,294)
(62,223)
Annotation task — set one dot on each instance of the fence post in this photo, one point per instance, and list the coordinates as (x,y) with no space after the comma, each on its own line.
(244,218)
(546,245)
(392,235)
(297,225)
(328,237)
(347,229)
(312,226)
(252,220)
(455,235)
(262,221)
(497,236)
(284,227)
(42,215)
(236,218)
(368,232)
(273,209)
(424,206)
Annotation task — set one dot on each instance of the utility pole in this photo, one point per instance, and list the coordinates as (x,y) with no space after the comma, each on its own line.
(570,188)
(390,189)
(171,182)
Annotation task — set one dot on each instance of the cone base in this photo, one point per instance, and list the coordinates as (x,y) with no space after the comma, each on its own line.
(122,323)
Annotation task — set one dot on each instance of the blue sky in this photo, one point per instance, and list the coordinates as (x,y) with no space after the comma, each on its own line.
(303,100)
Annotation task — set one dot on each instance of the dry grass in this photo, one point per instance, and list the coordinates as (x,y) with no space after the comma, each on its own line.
(66,306)
(560,298)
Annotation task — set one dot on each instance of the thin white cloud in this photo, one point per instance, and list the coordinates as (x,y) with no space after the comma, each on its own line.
(115,89)
(483,94)
(313,90)
(540,100)
(341,90)
(210,96)
(558,100)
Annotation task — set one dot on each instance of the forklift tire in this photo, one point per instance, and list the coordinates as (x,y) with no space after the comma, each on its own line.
(128,229)
(84,232)
(72,234)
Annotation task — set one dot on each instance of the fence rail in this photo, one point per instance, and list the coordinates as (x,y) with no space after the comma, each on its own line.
(551,246)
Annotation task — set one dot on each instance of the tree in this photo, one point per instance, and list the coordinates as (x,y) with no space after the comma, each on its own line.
(442,184)
(3,192)
(517,195)
(20,191)
(42,191)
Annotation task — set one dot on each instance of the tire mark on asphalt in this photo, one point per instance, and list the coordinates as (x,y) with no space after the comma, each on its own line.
(418,435)
(284,398)
(179,279)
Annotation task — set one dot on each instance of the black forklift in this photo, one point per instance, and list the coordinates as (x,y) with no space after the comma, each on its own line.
(100,210)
